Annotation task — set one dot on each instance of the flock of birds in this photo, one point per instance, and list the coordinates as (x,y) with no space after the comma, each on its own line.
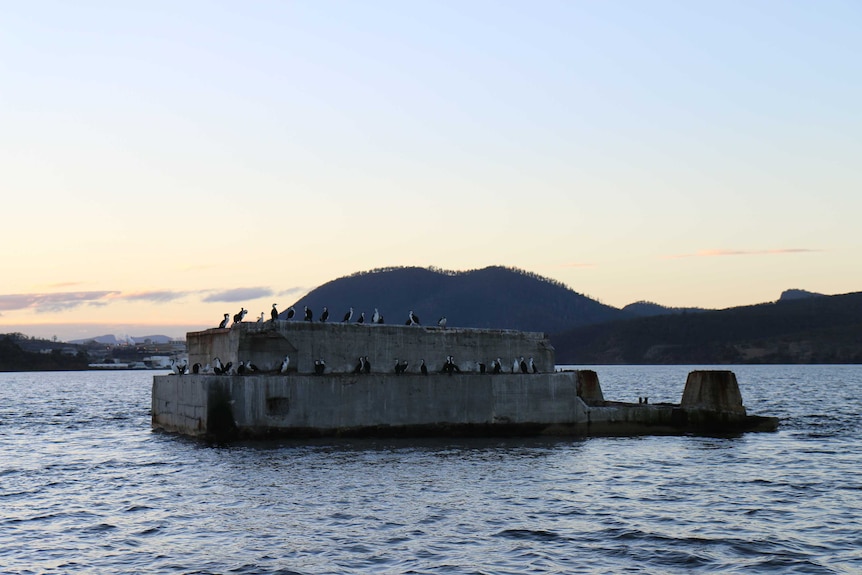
(308,315)
(363,365)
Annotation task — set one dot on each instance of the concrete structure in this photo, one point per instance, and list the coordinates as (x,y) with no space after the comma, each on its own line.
(341,403)
(340,345)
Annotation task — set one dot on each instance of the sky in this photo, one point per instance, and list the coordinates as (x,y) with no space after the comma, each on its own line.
(163,163)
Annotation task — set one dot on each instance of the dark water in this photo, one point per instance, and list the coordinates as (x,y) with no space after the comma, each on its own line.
(86,487)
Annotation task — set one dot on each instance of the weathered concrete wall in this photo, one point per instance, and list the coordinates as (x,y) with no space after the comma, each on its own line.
(562,403)
(340,345)
(261,405)
(714,390)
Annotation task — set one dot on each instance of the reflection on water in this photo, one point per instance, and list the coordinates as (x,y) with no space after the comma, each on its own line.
(86,487)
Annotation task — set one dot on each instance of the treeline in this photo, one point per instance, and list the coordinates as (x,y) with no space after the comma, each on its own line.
(824,329)
(14,358)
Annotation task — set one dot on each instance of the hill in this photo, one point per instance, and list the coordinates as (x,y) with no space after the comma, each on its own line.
(824,329)
(13,356)
(493,297)
(648,309)
(111,339)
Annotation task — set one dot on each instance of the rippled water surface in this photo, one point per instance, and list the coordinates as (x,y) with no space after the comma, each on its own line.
(87,487)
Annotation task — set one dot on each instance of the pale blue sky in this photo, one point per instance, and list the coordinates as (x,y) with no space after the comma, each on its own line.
(155,155)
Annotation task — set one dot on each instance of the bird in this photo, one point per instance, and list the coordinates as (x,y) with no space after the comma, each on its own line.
(224,322)
(308,314)
(274,313)
(380,319)
(175,367)
(533,367)
(284,364)
(367,365)
(227,367)
(218,368)
(413,318)
(523,365)
(516,365)
(375,317)
(260,319)
(252,367)
(497,366)
(441,322)
(319,366)
(325,314)
(361,318)
(482,367)
(196,368)
(347,316)
(290,313)
(423,368)
(237,318)
(241,369)
(359,366)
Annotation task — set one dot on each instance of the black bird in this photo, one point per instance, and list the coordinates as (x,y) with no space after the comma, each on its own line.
(274,313)
(481,367)
(533,367)
(359,366)
(252,367)
(523,365)
(361,318)
(413,318)
(498,366)
(325,315)
(284,364)
(423,368)
(347,316)
(237,318)
(367,365)
(241,369)
(400,367)
(308,314)
(441,322)
(380,319)
(290,313)
(196,368)
(319,366)
(224,322)
(218,368)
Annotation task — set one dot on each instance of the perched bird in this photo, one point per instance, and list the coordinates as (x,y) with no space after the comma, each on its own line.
(241,369)
(366,365)
(325,314)
(497,366)
(347,316)
(196,368)
(532,366)
(273,314)
(359,366)
(227,367)
(225,321)
(361,318)
(482,367)
(284,364)
(414,319)
(516,365)
(400,367)
(375,317)
(218,368)
(523,365)
(251,367)
(308,314)
(290,313)
(260,319)
(319,366)
(423,368)
(380,319)
(441,322)
(238,317)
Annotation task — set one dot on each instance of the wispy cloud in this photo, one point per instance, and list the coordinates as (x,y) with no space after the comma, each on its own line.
(293,290)
(159,296)
(718,253)
(238,294)
(52,302)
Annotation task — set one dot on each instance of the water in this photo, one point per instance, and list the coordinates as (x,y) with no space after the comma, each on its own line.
(87,487)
